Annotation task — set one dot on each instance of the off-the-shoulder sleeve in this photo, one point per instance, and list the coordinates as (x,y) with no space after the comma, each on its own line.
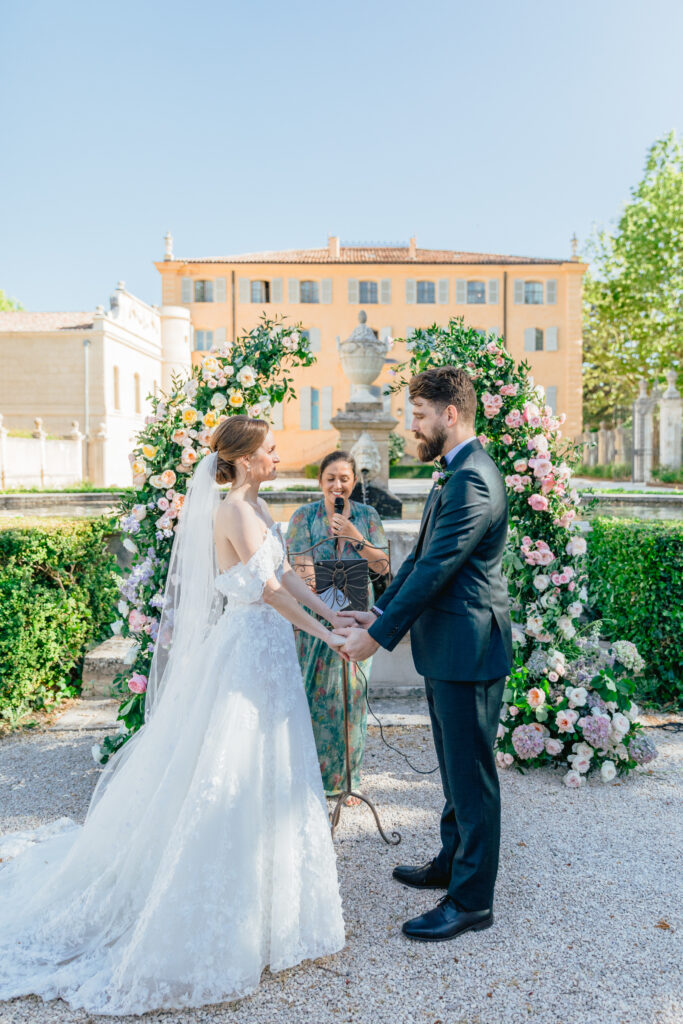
(299,531)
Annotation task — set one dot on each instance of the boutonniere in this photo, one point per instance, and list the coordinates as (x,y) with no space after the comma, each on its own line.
(440,476)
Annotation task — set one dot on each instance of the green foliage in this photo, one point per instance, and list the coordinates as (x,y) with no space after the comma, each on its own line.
(397,447)
(311,471)
(416,471)
(633,297)
(636,574)
(57,591)
(616,471)
(8,305)
(668,476)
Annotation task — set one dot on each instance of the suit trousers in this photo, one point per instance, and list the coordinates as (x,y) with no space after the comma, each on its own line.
(465,717)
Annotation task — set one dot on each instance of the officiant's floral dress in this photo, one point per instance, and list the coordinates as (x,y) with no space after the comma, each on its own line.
(320,665)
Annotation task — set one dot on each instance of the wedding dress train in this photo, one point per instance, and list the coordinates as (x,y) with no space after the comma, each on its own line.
(207,856)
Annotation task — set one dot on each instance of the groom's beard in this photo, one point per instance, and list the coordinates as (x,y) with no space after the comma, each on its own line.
(430,448)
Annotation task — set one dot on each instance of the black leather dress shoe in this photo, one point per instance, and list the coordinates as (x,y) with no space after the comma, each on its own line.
(446,921)
(425,877)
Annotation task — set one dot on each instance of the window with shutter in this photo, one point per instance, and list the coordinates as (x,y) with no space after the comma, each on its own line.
(219,336)
(314,339)
(220,290)
(327,290)
(315,409)
(260,292)
(326,407)
(551,339)
(203,291)
(305,408)
(385,291)
(551,398)
(408,410)
(367,293)
(203,341)
(551,293)
(476,292)
(443,291)
(529,339)
(309,291)
(426,293)
(493,293)
(186,289)
(411,290)
(518,292)
(353,290)
(243,290)
(385,333)
(533,293)
(293,289)
(276,289)
(460,292)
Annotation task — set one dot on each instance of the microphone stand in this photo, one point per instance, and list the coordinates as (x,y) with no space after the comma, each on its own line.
(348,789)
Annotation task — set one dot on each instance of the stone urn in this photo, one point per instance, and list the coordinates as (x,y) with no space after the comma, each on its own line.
(362,357)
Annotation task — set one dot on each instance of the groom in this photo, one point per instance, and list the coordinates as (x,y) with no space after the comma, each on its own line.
(452,595)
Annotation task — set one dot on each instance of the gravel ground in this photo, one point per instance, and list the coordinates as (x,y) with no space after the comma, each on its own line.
(587,923)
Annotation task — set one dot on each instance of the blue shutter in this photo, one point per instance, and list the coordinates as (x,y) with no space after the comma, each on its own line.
(220,290)
(219,336)
(460,292)
(551,339)
(293,289)
(186,292)
(326,407)
(519,292)
(443,291)
(411,290)
(314,339)
(493,293)
(353,291)
(243,290)
(326,290)
(277,416)
(529,339)
(276,289)
(305,408)
(385,291)
(551,398)
(551,293)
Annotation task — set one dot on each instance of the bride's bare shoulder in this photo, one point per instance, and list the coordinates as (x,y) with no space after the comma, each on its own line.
(263,505)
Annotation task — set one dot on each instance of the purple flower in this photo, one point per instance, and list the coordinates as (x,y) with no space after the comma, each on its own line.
(596,730)
(642,749)
(528,741)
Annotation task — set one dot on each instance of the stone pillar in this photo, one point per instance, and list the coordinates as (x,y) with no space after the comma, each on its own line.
(670,408)
(643,408)
(623,450)
(40,435)
(603,445)
(75,435)
(3,454)
(176,357)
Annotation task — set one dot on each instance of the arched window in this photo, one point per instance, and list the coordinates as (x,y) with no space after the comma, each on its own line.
(367,292)
(426,292)
(310,292)
(138,399)
(260,291)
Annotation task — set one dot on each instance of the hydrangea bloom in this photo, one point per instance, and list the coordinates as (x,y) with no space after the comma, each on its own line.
(642,749)
(596,729)
(528,741)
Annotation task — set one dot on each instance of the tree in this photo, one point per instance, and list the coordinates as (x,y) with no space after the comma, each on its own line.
(633,295)
(7,304)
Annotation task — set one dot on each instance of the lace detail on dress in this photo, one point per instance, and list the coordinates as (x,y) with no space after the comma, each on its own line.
(208,856)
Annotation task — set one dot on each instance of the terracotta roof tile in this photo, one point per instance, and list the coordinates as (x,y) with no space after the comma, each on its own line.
(372,254)
(22,321)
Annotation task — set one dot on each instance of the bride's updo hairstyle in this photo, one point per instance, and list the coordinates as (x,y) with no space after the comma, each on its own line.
(235,437)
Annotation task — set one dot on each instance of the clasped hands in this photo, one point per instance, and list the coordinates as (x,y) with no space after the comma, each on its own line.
(353,626)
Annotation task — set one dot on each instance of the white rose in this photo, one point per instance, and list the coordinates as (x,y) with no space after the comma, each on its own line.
(219,401)
(577,695)
(576,546)
(573,780)
(621,751)
(122,607)
(580,764)
(608,771)
(575,609)
(247,376)
(96,752)
(541,582)
(620,723)
(116,627)
(633,712)
(553,747)
(130,545)
(583,594)
(583,750)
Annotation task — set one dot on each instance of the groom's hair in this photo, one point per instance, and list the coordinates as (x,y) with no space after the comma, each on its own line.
(446,385)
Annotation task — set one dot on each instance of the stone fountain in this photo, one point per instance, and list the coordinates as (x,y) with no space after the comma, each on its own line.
(364,425)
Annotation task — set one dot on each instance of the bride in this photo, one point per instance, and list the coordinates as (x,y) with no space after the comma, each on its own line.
(206,852)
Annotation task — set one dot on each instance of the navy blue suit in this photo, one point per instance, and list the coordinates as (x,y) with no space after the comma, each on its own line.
(452,595)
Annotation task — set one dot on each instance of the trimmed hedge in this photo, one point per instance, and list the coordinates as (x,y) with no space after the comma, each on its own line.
(57,594)
(636,587)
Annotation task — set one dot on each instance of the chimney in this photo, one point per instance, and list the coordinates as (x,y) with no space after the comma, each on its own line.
(412,249)
(333,250)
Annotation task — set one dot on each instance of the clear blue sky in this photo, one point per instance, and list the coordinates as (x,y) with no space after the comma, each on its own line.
(500,126)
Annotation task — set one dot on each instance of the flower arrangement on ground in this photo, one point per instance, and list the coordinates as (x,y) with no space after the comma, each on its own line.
(569,697)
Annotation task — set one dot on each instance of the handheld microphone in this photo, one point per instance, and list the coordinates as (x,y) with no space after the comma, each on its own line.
(339,505)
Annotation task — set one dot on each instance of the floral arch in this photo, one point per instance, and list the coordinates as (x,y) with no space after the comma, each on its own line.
(568,700)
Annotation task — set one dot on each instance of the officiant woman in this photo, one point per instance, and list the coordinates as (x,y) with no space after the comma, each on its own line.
(320,665)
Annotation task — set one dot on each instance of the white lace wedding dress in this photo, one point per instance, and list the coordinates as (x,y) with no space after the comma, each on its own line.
(207,858)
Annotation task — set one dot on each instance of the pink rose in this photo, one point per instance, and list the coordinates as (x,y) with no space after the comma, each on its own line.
(136,621)
(137,682)
(520,465)
(553,677)
(536,697)
(163,504)
(553,747)
(168,478)
(538,503)
(565,720)
(506,439)
(514,711)
(508,758)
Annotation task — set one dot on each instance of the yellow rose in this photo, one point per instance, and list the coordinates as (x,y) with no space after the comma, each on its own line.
(236,399)
(149,451)
(189,416)
(209,365)
(210,419)
(139,467)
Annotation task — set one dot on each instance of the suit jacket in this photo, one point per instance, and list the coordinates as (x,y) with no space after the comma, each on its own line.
(450,591)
